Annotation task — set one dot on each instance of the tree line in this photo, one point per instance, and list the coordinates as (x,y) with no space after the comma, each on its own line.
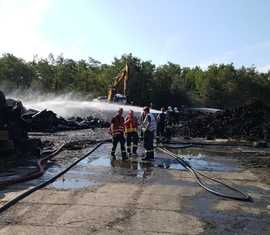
(218,86)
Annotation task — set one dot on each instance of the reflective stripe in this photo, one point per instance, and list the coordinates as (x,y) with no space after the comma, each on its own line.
(131,124)
(149,151)
(118,131)
(129,130)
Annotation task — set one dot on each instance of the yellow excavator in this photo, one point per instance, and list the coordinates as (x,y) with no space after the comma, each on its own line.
(118,91)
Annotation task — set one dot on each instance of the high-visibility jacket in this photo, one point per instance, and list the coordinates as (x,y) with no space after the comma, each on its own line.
(150,122)
(131,124)
(118,125)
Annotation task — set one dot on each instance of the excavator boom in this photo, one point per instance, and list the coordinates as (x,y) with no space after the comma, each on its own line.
(121,77)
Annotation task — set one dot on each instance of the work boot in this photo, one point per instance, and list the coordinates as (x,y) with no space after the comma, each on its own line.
(147,157)
(129,150)
(134,150)
(113,155)
(151,156)
(124,156)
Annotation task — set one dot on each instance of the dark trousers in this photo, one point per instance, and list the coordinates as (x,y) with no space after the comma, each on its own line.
(148,143)
(119,138)
(160,129)
(132,137)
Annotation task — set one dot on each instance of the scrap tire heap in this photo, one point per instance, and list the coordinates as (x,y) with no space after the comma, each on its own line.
(250,121)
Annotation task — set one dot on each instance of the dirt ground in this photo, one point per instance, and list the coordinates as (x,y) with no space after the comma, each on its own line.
(128,198)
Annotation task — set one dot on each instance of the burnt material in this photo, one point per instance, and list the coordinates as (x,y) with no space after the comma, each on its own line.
(22,120)
(250,121)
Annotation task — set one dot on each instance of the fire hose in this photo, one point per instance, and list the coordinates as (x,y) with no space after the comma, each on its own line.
(39,172)
(197,174)
(42,164)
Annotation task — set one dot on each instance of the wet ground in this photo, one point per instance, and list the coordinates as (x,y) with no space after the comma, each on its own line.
(105,196)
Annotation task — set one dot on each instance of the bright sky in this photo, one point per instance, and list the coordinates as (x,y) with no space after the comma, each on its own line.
(187,32)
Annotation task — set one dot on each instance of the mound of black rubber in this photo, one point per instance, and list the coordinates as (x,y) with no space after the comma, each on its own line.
(250,121)
(46,120)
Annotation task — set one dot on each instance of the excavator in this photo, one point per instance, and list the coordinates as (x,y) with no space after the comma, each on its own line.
(119,86)
(117,92)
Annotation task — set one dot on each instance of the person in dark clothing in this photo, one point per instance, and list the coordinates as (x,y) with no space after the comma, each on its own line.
(3,111)
(175,116)
(117,131)
(149,126)
(131,126)
(161,122)
(169,115)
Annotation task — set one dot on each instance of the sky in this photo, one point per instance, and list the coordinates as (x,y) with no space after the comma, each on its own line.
(186,32)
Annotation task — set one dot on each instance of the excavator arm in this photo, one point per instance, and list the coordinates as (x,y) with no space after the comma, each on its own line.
(121,77)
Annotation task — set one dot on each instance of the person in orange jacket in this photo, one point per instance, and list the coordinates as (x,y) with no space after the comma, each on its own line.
(131,127)
(117,132)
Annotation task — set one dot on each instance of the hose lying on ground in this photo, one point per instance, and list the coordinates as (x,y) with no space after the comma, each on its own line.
(196,144)
(180,160)
(243,197)
(42,185)
(41,165)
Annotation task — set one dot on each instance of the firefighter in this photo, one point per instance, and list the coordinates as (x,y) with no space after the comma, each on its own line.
(175,116)
(117,131)
(169,115)
(142,117)
(3,110)
(149,126)
(161,123)
(131,126)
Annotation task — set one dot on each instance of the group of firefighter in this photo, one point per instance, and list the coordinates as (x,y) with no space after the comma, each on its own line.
(126,130)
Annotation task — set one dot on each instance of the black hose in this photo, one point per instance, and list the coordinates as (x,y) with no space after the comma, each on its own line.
(180,160)
(196,174)
(196,144)
(42,185)
(168,145)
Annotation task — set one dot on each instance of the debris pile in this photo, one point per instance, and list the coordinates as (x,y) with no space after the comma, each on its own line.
(16,121)
(46,120)
(14,141)
(250,121)
(6,144)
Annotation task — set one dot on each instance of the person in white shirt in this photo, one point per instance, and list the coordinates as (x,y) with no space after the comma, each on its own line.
(149,126)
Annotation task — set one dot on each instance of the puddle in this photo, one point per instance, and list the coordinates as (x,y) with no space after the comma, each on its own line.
(204,160)
(72,183)
(198,159)
(98,168)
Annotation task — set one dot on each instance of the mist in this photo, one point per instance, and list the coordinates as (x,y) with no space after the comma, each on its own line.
(71,104)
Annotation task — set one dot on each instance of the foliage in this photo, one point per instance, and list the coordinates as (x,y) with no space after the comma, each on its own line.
(219,86)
